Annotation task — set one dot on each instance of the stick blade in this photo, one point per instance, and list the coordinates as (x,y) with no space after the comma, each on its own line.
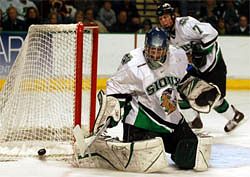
(80,140)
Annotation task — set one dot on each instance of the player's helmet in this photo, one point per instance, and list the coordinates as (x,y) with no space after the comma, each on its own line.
(164,8)
(156,46)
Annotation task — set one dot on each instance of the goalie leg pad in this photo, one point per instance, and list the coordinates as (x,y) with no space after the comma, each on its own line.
(203,152)
(138,156)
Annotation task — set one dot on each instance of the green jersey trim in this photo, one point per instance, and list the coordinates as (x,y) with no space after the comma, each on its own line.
(145,122)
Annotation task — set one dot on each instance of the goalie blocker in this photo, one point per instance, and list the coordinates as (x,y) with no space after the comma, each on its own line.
(201,95)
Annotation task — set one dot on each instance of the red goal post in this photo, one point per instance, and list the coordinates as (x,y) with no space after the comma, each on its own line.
(78,87)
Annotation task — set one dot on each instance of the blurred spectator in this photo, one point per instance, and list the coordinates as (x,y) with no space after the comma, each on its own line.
(58,6)
(84,4)
(79,16)
(107,15)
(193,8)
(242,28)
(53,18)
(146,26)
(207,12)
(90,20)
(5,4)
(211,18)
(71,10)
(122,24)
(219,9)
(130,7)
(244,7)
(105,12)
(22,6)
(12,23)
(221,28)
(183,8)
(230,15)
(44,10)
(135,23)
(206,7)
(31,17)
(1,20)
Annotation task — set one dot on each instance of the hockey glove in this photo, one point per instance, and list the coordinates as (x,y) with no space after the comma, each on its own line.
(206,97)
(198,55)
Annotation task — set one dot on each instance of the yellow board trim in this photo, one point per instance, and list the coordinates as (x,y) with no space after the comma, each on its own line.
(232,84)
(238,84)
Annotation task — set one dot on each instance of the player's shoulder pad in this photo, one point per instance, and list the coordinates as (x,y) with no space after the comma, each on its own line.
(185,20)
(186,24)
(133,58)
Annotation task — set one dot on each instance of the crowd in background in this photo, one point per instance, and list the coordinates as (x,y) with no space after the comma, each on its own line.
(229,17)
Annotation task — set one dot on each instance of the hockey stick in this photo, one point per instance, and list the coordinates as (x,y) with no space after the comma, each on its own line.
(84,143)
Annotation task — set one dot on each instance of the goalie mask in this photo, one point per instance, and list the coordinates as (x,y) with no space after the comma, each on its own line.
(156,46)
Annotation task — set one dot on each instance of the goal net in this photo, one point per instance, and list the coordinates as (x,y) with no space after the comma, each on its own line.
(51,88)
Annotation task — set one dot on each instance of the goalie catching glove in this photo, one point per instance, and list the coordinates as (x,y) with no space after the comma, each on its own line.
(201,95)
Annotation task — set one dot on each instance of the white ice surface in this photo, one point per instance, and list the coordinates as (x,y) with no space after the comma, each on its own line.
(230,153)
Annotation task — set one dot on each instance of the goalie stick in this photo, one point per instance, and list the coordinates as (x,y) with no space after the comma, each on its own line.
(84,143)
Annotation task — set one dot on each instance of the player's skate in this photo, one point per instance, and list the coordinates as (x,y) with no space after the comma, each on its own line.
(196,123)
(237,120)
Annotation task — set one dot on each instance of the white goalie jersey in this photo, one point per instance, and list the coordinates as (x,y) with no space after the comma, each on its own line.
(154,95)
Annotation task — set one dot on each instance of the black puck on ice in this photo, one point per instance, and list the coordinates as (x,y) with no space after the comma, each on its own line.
(41,152)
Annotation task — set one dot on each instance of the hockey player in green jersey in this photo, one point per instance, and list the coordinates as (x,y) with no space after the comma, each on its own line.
(199,40)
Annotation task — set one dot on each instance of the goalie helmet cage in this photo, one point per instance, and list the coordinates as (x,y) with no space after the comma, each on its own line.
(51,88)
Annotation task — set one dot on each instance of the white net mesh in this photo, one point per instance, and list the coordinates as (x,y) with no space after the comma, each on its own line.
(37,102)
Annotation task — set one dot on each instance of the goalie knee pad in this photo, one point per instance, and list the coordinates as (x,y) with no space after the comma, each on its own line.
(138,156)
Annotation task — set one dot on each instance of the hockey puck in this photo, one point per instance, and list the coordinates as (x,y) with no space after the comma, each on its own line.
(41,152)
